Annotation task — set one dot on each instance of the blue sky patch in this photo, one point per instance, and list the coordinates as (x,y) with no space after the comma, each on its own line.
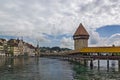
(107,31)
(7,37)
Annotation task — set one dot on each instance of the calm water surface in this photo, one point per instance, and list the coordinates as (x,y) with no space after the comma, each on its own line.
(35,69)
(54,69)
(102,72)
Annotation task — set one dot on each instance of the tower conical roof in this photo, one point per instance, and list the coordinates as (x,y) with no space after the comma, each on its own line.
(81,31)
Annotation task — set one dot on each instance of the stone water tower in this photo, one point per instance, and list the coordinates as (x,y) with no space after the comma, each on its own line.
(80,37)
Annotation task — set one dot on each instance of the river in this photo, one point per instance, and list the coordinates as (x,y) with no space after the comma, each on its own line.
(101,72)
(55,69)
(35,69)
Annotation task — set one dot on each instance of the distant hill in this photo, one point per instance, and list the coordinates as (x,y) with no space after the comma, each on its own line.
(48,49)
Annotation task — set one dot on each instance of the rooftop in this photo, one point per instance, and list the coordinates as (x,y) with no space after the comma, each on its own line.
(100,50)
(81,31)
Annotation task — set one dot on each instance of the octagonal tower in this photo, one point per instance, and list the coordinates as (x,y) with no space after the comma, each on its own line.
(80,37)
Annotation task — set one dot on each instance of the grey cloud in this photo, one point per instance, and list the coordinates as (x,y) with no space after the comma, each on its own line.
(114,39)
(94,38)
(56,16)
(66,43)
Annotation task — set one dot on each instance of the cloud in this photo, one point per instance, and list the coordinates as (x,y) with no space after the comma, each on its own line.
(114,39)
(66,43)
(105,41)
(56,17)
(94,38)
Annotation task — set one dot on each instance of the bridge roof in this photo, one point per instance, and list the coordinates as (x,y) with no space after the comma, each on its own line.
(100,50)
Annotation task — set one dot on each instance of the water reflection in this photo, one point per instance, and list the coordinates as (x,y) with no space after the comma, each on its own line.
(54,69)
(35,69)
(105,64)
(101,71)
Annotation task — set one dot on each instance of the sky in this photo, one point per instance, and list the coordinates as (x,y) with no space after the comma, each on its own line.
(53,22)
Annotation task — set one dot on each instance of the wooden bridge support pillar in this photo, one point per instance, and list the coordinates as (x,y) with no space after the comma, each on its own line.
(98,54)
(119,65)
(98,64)
(107,64)
(85,62)
(91,64)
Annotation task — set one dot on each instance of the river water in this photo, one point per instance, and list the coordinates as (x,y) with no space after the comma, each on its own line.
(35,69)
(101,72)
(55,69)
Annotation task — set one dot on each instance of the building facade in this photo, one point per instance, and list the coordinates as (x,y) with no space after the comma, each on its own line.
(3,44)
(18,47)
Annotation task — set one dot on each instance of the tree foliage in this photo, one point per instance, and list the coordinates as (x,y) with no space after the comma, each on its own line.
(56,48)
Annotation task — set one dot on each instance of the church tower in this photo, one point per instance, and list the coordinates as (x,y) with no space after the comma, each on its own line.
(80,37)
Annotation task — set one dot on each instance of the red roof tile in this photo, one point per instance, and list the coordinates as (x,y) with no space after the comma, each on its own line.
(81,31)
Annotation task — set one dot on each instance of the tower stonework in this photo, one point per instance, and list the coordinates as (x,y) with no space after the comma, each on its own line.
(80,37)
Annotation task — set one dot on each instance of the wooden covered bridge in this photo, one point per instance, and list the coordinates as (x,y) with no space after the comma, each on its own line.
(97,53)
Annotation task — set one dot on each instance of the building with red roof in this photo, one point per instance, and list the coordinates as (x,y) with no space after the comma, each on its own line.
(80,37)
